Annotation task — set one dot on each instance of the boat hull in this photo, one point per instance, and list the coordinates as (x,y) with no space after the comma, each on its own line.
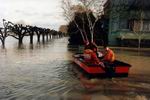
(116,69)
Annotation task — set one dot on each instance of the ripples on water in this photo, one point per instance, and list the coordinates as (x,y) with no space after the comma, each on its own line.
(47,72)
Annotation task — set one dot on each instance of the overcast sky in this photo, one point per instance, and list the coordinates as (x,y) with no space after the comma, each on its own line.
(43,13)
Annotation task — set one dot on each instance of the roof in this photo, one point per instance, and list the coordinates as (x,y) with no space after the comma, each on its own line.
(133,4)
(139,4)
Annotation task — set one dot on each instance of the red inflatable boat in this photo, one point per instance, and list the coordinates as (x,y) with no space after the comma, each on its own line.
(115,69)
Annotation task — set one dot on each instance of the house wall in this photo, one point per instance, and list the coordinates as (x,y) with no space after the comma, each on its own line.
(119,18)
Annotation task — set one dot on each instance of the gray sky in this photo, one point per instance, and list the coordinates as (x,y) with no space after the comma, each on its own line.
(43,13)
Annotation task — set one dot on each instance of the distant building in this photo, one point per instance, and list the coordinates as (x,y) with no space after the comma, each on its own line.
(63,29)
(129,20)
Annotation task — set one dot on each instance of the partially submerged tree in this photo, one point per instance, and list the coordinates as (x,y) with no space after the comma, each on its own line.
(4,32)
(71,11)
(20,31)
(83,25)
(31,31)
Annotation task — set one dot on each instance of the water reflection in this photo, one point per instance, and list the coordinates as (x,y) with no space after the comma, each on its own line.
(134,87)
(47,72)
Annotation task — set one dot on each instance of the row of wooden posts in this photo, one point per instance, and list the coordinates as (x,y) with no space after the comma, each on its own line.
(19,31)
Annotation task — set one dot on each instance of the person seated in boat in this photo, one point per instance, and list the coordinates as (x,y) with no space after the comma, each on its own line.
(91,54)
(108,59)
(90,57)
(109,55)
(92,46)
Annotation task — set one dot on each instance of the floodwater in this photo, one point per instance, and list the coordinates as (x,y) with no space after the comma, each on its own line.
(47,72)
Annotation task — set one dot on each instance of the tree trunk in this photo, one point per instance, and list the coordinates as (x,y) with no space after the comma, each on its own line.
(20,41)
(43,38)
(38,38)
(92,37)
(31,39)
(50,36)
(139,43)
(3,43)
(47,37)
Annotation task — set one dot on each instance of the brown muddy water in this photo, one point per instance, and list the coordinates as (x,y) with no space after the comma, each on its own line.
(47,72)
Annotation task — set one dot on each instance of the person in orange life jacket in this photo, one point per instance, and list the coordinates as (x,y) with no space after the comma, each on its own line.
(109,55)
(108,59)
(92,46)
(90,54)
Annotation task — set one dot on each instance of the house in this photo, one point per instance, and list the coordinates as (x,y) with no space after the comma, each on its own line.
(129,22)
(63,29)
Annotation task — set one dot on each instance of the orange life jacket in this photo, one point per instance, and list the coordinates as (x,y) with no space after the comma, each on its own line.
(90,56)
(110,56)
(91,46)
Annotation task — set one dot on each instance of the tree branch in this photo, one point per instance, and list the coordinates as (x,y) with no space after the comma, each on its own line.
(14,36)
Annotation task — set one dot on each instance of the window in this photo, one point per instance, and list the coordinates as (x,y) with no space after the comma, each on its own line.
(124,24)
(114,25)
(146,26)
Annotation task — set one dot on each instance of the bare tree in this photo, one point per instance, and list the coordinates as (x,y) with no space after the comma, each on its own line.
(138,24)
(31,31)
(96,7)
(69,14)
(19,32)
(4,32)
(138,30)
(86,6)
